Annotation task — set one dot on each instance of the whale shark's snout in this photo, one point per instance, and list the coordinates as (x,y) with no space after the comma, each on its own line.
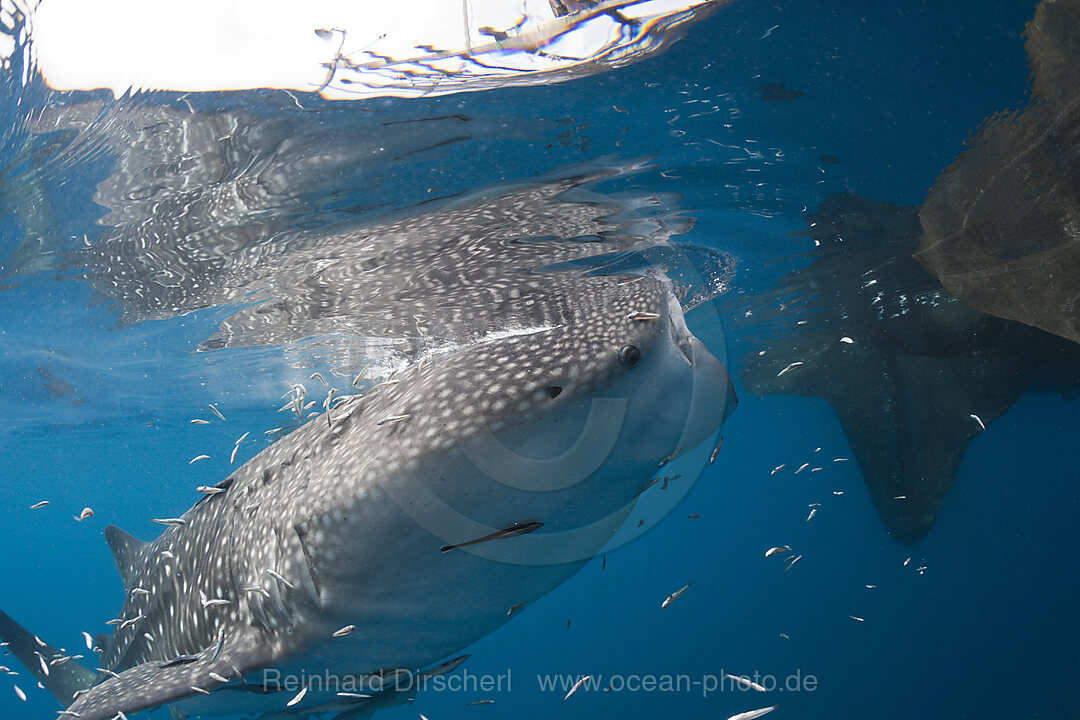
(715,397)
(712,395)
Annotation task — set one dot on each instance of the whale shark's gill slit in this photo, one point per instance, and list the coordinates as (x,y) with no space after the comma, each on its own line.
(514,530)
(301,534)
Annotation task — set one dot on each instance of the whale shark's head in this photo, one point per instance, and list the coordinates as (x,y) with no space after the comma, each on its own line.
(564,423)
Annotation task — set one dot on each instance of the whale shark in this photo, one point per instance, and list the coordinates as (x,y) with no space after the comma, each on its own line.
(913,374)
(407,521)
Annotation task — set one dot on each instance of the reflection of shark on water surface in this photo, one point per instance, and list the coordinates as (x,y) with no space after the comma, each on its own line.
(215,209)
(912,374)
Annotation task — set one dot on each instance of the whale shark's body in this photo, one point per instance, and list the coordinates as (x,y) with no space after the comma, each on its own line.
(538,440)
(541,391)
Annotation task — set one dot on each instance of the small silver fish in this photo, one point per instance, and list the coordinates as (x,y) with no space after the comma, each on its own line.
(802,467)
(792,561)
(752,714)
(343,631)
(716,451)
(813,512)
(391,419)
(39,505)
(298,697)
(86,513)
(197,458)
(277,576)
(674,596)
(217,412)
(977,419)
(777,550)
(171,522)
(131,621)
(209,490)
(856,619)
(777,469)
(577,686)
(200,421)
(789,368)
(746,682)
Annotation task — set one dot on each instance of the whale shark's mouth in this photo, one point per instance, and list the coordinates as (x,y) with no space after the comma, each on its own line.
(680,334)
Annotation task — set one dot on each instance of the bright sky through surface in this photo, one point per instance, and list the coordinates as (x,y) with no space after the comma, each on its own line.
(402,48)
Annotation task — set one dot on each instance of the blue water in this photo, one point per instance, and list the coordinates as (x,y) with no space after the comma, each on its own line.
(890,90)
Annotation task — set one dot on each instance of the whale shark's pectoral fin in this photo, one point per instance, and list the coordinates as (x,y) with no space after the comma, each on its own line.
(65,680)
(155,683)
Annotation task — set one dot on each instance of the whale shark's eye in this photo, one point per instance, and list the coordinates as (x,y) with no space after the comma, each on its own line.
(553,391)
(630,356)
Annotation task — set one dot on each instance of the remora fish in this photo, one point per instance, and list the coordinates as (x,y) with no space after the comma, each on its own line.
(342,523)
